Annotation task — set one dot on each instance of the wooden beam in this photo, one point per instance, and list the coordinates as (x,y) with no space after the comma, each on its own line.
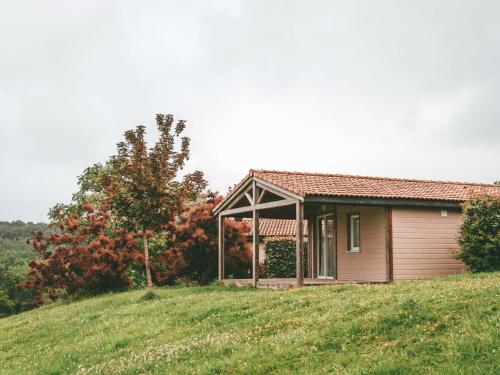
(249,197)
(255,247)
(261,206)
(310,247)
(261,195)
(221,247)
(238,193)
(336,255)
(233,197)
(299,242)
(313,251)
(388,244)
(277,190)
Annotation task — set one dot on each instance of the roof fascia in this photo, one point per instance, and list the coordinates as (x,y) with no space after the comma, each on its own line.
(382,201)
(233,195)
(275,189)
(284,193)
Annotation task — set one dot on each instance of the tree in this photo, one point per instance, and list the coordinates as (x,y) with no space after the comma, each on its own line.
(89,254)
(92,188)
(143,186)
(193,250)
(479,236)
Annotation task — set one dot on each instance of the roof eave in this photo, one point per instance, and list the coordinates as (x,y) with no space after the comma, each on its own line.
(241,186)
(264,183)
(378,201)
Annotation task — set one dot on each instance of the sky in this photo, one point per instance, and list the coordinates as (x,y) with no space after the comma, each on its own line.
(382,88)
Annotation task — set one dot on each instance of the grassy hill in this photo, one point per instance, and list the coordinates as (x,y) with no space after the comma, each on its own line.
(446,326)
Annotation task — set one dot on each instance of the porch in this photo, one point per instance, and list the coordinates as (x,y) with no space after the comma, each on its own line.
(329,259)
(290,282)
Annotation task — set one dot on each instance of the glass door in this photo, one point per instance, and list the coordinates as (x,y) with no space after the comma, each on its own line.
(326,246)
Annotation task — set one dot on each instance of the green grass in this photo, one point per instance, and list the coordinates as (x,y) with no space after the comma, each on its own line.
(446,326)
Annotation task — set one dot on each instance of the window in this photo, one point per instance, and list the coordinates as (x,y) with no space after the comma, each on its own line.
(353,233)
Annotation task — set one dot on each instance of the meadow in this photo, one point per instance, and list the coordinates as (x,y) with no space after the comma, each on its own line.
(440,326)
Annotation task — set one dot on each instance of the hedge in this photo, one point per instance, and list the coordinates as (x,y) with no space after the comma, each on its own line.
(280,258)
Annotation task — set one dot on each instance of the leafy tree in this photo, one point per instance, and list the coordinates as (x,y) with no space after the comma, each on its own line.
(92,188)
(479,236)
(193,250)
(88,255)
(144,188)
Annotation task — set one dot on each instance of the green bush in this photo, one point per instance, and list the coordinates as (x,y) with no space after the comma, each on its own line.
(6,304)
(279,261)
(148,296)
(479,236)
(13,299)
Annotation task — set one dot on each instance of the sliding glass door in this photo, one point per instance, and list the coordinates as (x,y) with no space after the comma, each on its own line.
(326,246)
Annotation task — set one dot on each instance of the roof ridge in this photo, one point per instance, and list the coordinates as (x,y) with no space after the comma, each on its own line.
(252,171)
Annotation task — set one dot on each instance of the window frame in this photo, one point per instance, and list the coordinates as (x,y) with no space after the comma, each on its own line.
(350,247)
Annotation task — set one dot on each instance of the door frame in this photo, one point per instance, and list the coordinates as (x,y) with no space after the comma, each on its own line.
(317,247)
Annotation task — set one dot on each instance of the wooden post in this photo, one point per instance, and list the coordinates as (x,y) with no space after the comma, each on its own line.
(336,244)
(299,239)
(310,248)
(388,244)
(221,247)
(314,249)
(255,247)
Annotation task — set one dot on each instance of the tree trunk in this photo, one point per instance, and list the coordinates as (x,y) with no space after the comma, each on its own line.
(146,260)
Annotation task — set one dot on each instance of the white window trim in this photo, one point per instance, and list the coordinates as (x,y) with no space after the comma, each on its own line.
(354,249)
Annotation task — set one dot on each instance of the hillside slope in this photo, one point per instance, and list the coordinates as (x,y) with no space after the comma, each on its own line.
(431,326)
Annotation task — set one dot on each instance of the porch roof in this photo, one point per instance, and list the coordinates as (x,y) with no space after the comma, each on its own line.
(275,227)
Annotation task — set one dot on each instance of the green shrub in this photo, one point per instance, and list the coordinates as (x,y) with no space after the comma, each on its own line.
(148,296)
(6,304)
(479,236)
(19,299)
(280,258)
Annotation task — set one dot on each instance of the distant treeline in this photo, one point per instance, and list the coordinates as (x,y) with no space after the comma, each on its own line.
(15,256)
(19,230)
(14,249)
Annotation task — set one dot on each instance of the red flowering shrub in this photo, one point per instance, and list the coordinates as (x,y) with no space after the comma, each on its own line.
(193,250)
(88,254)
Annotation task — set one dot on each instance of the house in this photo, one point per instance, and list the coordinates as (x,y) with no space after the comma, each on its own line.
(363,229)
(273,229)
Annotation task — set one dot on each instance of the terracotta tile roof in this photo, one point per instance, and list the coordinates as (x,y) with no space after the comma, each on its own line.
(372,187)
(275,227)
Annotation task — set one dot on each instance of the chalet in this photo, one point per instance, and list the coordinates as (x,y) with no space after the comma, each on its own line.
(362,229)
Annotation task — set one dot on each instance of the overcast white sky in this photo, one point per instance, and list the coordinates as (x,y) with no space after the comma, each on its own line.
(389,88)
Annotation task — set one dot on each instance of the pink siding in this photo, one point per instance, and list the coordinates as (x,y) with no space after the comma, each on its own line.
(423,241)
(370,263)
